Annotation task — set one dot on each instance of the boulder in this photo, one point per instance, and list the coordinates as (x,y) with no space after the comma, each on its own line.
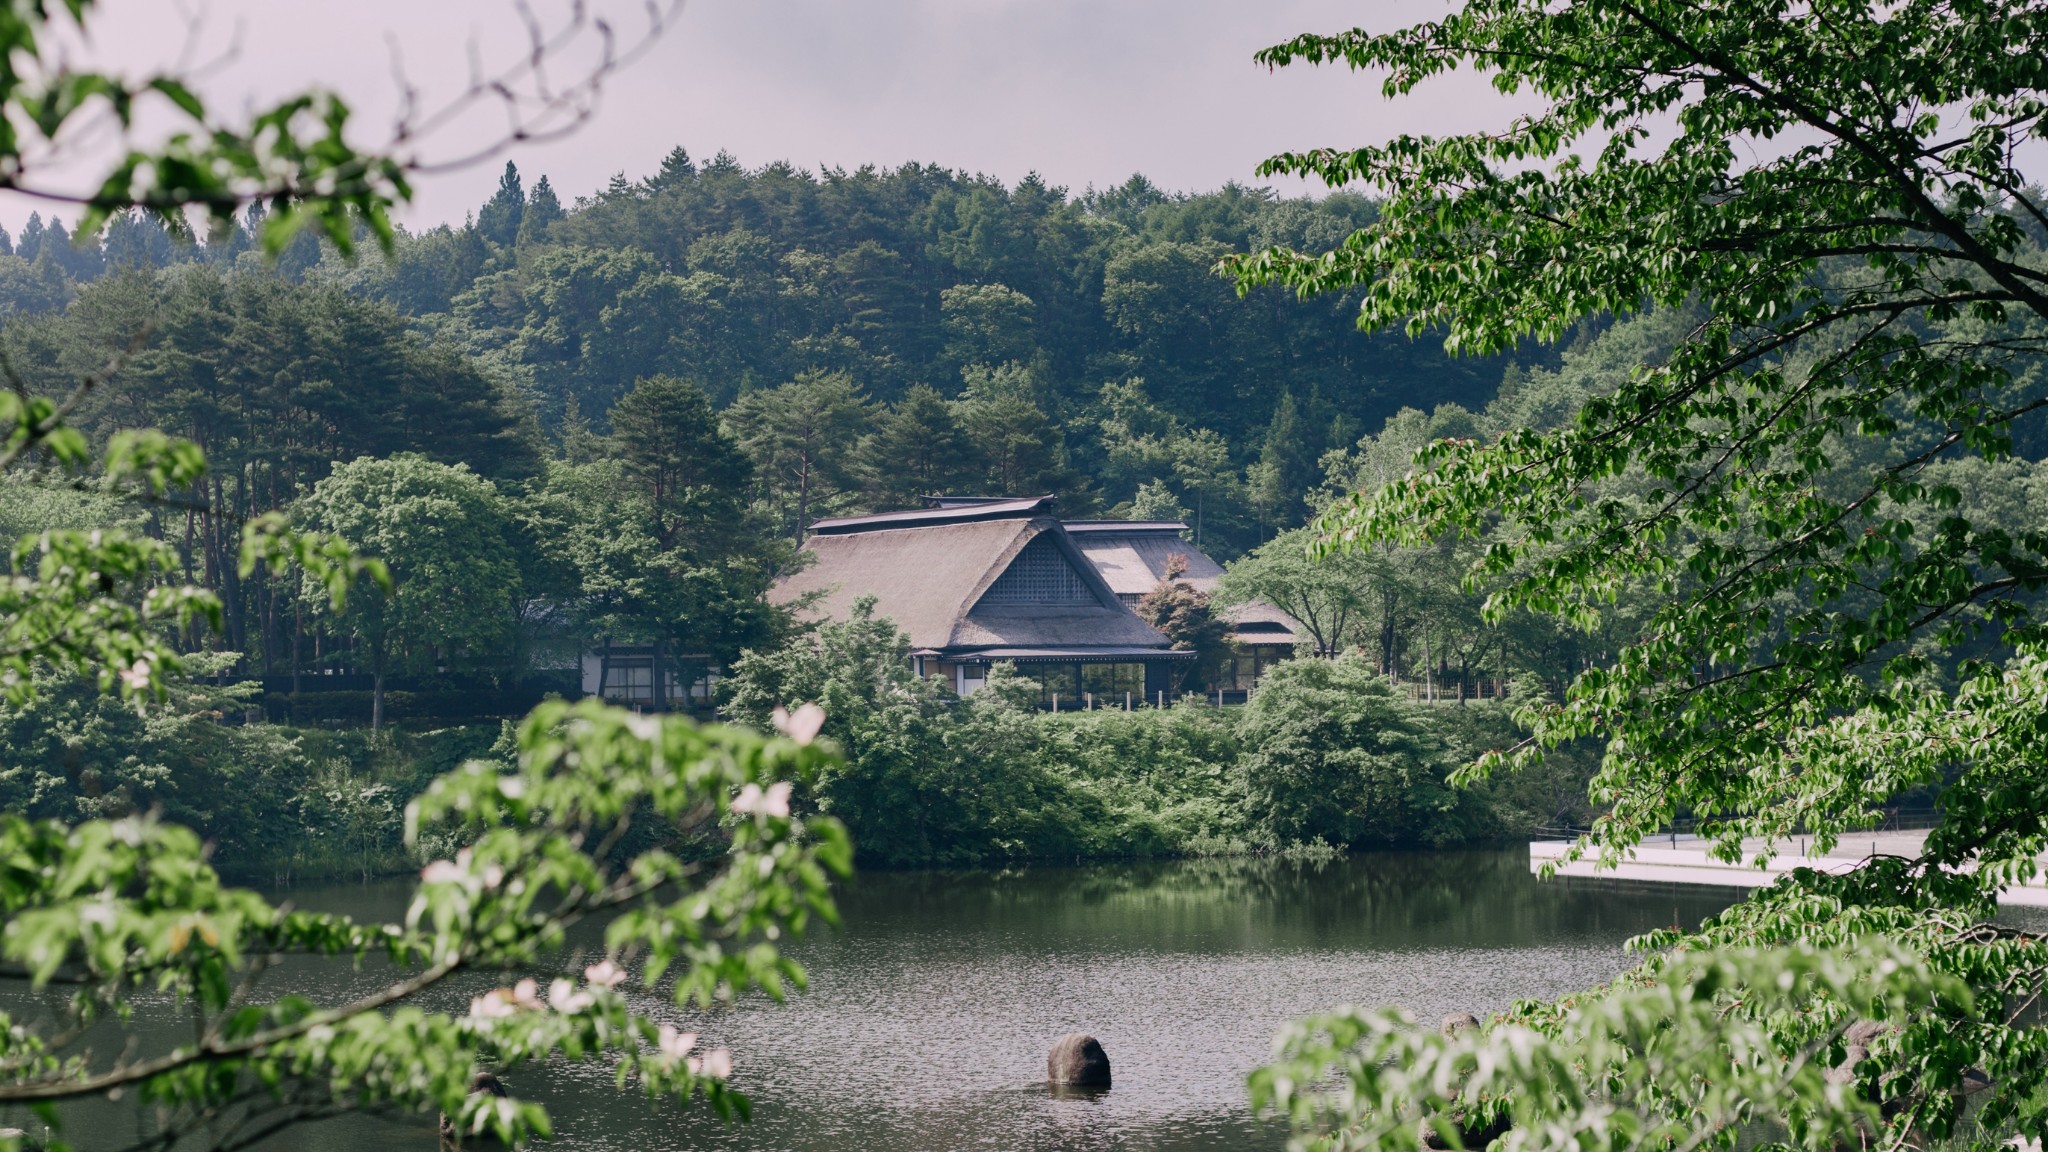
(1457,1024)
(451,1138)
(1472,1135)
(1078,1060)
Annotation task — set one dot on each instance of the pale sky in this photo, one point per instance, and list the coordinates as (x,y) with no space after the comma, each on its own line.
(1082,91)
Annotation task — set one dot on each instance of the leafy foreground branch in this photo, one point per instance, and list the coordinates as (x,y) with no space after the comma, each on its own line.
(117,909)
(1675,1057)
(1832,197)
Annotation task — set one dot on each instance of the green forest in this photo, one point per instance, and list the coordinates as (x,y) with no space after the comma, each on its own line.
(849,341)
(610,420)
(1658,472)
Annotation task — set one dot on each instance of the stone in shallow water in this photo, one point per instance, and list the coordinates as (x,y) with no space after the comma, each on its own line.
(1078,1060)
(451,1139)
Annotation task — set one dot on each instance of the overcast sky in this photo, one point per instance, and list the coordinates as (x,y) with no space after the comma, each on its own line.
(1082,91)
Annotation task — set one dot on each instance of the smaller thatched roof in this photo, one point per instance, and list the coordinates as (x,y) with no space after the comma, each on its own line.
(1257,623)
(1132,556)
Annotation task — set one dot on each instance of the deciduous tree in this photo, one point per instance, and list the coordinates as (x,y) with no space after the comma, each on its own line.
(442,532)
(1837,192)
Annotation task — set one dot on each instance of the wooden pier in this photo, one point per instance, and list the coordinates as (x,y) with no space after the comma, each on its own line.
(1684,859)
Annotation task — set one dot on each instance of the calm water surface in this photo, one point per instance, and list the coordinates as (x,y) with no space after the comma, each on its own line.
(931,1010)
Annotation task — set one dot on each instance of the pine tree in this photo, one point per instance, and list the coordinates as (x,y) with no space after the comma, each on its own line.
(137,241)
(31,237)
(1287,461)
(543,208)
(917,449)
(80,258)
(677,169)
(799,437)
(690,471)
(499,218)
(580,444)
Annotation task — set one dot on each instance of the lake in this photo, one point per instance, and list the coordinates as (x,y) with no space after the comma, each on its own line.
(931,1010)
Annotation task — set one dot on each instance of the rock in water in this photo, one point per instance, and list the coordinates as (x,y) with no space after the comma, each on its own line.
(451,1137)
(1078,1060)
(1457,1024)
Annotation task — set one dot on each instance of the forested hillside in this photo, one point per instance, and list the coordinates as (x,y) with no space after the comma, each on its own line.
(871,335)
(799,343)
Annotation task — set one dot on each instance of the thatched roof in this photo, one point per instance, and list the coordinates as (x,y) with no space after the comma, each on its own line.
(963,579)
(1132,556)
(1259,623)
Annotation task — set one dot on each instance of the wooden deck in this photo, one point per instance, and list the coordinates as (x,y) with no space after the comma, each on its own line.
(1683,859)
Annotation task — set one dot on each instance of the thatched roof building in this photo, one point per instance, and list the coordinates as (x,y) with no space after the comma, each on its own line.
(977,582)
(1133,557)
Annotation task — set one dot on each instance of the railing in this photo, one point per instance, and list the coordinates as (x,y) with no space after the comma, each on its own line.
(1064,702)
(1904,818)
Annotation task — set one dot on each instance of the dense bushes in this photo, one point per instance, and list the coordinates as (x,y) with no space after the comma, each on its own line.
(274,802)
(1332,754)
(453,705)
(1326,752)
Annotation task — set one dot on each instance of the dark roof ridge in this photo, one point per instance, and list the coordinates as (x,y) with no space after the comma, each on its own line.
(1020,509)
(1114,526)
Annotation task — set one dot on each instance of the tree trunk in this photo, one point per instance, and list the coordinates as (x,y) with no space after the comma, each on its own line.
(1428,672)
(803,498)
(1387,639)
(658,691)
(229,577)
(377,688)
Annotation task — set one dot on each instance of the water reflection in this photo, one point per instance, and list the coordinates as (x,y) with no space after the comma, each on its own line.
(931,1011)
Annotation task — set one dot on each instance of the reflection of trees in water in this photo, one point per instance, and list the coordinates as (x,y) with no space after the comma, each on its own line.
(1399,900)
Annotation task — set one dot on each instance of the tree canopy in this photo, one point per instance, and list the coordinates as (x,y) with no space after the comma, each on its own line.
(124,906)
(455,586)
(1830,200)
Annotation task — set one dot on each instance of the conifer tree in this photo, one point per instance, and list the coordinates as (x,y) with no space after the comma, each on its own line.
(499,218)
(543,208)
(31,244)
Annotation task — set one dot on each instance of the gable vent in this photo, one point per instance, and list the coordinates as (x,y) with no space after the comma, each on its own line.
(1041,574)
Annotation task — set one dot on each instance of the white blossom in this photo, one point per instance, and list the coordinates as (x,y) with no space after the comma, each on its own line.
(563,998)
(676,1045)
(496,1002)
(773,802)
(802,725)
